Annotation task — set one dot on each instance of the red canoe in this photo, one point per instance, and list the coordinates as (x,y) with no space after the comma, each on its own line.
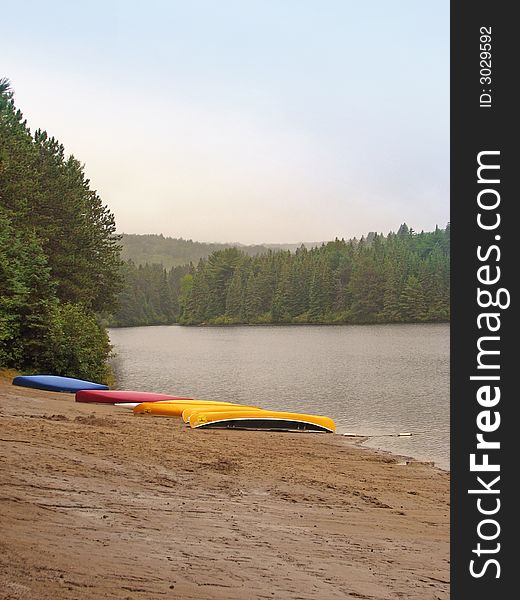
(116,396)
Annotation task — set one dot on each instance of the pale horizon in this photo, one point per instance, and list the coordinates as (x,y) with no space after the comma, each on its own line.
(284,242)
(245,122)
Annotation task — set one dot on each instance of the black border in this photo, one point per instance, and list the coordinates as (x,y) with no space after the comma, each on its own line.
(475,129)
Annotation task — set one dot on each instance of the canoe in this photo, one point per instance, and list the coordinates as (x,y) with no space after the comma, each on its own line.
(173,409)
(56,383)
(113,396)
(190,410)
(261,419)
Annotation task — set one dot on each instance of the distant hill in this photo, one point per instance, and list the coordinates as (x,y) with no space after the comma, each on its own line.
(177,252)
(294,247)
(173,252)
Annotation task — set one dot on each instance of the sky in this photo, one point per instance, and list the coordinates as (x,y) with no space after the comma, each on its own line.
(244,120)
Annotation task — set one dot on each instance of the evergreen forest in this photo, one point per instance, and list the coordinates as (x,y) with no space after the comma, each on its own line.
(400,277)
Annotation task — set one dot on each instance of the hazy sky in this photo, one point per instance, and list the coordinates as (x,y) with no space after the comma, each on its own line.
(244,120)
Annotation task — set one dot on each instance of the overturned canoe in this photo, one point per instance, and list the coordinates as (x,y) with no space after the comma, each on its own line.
(174,408)
(261,419)
(132,405)
(117,396)
(191,410)
(56,383)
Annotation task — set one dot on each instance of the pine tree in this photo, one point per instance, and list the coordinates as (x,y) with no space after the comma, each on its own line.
(413,304)
(234,296)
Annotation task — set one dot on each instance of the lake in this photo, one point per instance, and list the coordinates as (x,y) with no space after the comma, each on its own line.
(374,380)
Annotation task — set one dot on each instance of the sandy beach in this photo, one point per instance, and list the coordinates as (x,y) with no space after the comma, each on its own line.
(97,503)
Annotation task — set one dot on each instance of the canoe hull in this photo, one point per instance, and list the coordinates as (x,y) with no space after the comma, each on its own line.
(172,409)
(257,423)
(120,396)
(191,410)
(262,419)
(55,383)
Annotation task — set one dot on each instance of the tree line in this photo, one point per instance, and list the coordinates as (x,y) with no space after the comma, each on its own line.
(401,277)
(59,255)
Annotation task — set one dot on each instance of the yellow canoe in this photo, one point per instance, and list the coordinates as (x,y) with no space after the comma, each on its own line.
(174,409)
(190,410)
(261,419)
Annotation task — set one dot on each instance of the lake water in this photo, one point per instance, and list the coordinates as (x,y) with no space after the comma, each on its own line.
(375,380)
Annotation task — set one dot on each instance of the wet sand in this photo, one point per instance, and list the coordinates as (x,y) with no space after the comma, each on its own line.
(97,503)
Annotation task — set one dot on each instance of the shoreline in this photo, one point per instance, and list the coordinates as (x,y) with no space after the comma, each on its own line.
(327,324)
(397,457)
(100,503)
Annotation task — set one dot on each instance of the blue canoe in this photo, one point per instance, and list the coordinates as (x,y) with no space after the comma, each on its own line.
(54,383)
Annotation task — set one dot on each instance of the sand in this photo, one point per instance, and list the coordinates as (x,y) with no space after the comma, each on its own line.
(98,503)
